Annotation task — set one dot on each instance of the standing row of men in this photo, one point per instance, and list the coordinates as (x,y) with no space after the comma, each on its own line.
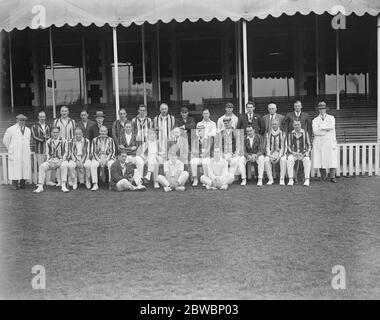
(76,150)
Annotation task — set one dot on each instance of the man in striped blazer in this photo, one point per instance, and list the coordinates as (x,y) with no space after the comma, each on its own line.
(65,124)
(164,124)
(118,127)
(57,153)
(141,124)
(254,151)
(102,154)
(299,147)
(275,142)
(79,160)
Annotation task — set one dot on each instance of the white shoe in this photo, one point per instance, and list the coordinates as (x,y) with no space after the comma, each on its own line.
(195,182)
(88,185)
(51,184)
(291,182)
(307,182)
(282,182)
(64,189)
(75,186)
(147,176)
(95,187)
(156,185)
(260,183)
(39,189)
(167,189)
(243,182)
(141,188)
(210,187)
(270,182)
(224,187)
(180,188)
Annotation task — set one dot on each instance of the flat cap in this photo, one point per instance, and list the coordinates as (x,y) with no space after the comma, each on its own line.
(21,117)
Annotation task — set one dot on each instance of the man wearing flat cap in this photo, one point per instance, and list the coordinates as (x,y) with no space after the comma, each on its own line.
(17,141)
(94,131)
(324,144)
(184,122)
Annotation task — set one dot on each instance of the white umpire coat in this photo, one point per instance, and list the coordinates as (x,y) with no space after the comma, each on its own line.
(19,154)
(324,144)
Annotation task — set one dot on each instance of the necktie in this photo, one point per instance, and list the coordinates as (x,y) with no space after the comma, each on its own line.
(22,130)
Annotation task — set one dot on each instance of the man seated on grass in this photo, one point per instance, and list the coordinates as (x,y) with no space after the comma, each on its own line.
(254,151)
(57,152)
(79,160)
(128,143)
(299,148)
(275,141)
(175,176)
(217,176)
(124,175)
(103,155)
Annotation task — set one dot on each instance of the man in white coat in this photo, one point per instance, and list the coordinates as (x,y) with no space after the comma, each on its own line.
(324,144)
(17,141)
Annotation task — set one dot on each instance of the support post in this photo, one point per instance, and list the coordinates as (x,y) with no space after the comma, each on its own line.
(240,96)
(143,62)
(316,57)
(337,70)
(52,71)
(84,71)
(116,71)
(158,62)
(11,72)
(378,83)
(245,63)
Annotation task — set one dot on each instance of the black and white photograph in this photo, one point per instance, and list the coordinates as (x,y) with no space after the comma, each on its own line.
(214,150)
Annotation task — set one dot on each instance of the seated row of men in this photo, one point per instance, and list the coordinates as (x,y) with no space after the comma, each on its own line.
(226,153)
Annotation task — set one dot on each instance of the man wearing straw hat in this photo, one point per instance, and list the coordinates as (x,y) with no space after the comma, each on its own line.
(324,144)
(17,141)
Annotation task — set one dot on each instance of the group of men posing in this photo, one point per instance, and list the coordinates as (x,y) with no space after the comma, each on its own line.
(69,153)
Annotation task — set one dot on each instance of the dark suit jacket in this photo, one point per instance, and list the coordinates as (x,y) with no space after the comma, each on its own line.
(189,124)
(257,123)
(128,146)
(117,173)
(94,132)
(306,123)
(279,117)
(86,131)
(257,147)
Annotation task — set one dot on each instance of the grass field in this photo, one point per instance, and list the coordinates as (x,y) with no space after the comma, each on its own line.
(246,243)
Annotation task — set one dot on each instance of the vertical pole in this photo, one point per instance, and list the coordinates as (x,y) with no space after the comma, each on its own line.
(52,71)
(240,96)
(11,72)
(316,57)
(116,71)
(236,64)
(245,63)
(84,71)
(143,62)
(337,70)
(158,62)
(378,82)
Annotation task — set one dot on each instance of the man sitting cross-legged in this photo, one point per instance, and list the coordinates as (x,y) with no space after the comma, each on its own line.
(175,176)
(103,155)
(217,176)
(124,175)
(299,148)
(275,152)
(57,152)
(254,151)
(79,160)
(128,142)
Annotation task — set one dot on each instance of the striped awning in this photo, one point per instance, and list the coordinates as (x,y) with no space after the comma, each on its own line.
(22,14)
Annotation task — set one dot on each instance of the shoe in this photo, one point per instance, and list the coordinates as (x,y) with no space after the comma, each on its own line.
(39,189)
(307,183)
(22,184)
(88,185)
(64,189)
(95,187)
(75,186)
(270,182)
(141,188)
(58,184)
(291,182)
(243,182)
(224,187)
(195,182)
(180,188)
(147,177)
(167,189)
(282,182)
(333,180)
(156,185)
(260,183)
(51,184)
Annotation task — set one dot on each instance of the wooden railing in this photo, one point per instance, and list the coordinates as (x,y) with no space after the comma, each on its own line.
(354,159)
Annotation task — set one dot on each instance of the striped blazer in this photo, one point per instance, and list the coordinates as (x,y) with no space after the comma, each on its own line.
(40,136)
(117,131)
(65,131)
(299,143)
(164,135)
(140,128)
(103,147)
(86,148)
(57,150)
(275,142)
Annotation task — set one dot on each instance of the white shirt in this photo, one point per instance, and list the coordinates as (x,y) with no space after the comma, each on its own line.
(251,141)
(217,168)
(210,127)
(79,145)
(297,114)
(234,121)
(173,170)
(123,167)
(128,137)
(43,126)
